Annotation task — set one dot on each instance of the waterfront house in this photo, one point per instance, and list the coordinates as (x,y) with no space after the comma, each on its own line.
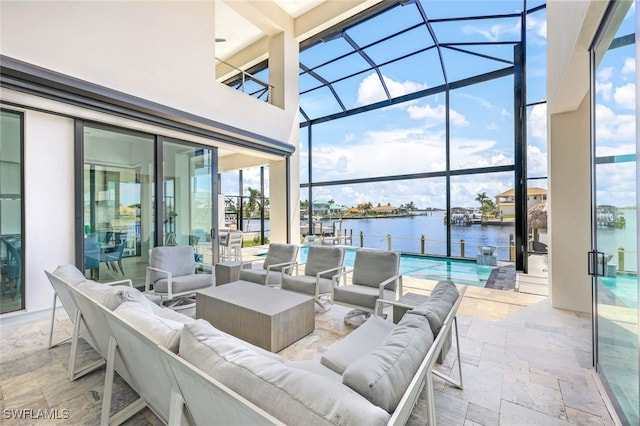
(379,210)
(505,201)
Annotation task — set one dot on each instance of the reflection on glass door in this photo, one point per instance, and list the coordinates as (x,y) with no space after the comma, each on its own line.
(118,204)
(188,197)
(615,202)
(11,238)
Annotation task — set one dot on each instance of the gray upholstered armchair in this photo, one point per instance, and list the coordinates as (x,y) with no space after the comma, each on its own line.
(172,274)
(323,263)
(376,275)
(280,260)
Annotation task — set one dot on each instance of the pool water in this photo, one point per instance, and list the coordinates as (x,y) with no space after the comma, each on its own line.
(624,287)
(460,271)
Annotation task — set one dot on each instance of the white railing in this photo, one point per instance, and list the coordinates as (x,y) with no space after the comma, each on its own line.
(244,81)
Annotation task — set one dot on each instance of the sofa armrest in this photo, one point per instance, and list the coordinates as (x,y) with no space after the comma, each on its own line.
(383,284)
(380,304)
(336,278)
(321,273)
(127,281)
(147,281)
(289,265)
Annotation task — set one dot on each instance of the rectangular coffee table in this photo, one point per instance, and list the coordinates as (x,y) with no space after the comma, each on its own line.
(267,317)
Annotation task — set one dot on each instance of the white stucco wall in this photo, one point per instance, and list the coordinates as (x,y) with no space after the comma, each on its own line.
(571,27)
(570,207)
(49,198)
(157,50)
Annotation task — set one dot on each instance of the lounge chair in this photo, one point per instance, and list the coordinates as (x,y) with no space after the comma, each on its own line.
(280,260)
(323,263)
(376,275)
(173,275)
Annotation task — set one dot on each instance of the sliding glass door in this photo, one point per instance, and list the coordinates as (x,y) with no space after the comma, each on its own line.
(188,197)
(615,201)
(11,218)
(126,211)
(119,213)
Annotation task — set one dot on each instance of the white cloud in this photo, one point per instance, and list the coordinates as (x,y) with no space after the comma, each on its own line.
(536,162)
(469,153)
(426,154)
(370,89)
(538,122)
(625,96)
(604,89)
(616,184)
(605,73)
(614,127)
(492,126)
(483,102)
(379,153)
(349,137)
(629,66)
(496,32)
(603,84)
(436,115)
(536,26)
(505,113)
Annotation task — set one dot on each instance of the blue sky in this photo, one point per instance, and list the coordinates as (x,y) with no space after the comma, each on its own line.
(409,137)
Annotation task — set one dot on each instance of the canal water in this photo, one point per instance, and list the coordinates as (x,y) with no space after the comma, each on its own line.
(405,233)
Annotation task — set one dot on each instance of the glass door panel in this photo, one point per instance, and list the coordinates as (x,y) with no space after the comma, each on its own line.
(616,233)
(188,197)
(11,238)
(118,204)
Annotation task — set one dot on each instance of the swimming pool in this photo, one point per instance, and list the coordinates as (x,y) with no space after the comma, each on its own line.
(623,290)
(459,271)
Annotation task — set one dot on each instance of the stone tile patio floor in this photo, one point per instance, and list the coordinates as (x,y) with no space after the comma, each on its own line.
(523,362)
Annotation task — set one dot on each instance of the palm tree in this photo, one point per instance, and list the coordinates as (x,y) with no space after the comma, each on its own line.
(252,204)
(482,198)
(484,201)
(229,204)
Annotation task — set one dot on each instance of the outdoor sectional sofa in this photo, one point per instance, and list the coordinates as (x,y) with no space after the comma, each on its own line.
(187,371)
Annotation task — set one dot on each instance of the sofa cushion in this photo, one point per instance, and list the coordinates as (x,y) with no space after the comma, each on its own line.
(202,331)
(183,283)
(256,276)
(372,267)
(361,295)
(280,253)
(438,305)
(366,338)
(293,395)
(179,260)
(306,284)
(110,296)
(316,368)
(383,375)
(162,331)
(323,258)
(69,274)
(168,313)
